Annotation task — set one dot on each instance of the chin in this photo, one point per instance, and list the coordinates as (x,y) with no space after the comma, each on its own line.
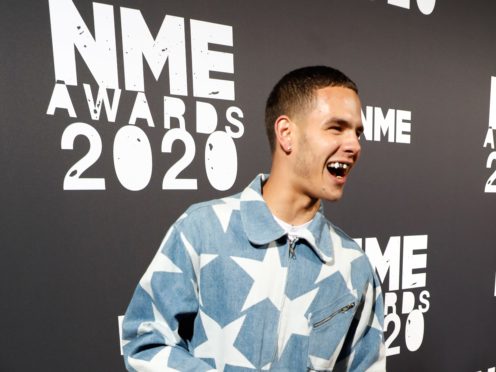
(332,198)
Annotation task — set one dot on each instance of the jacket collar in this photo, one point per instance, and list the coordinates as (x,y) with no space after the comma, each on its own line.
(261,228)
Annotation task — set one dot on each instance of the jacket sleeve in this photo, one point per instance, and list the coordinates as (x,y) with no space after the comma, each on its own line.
(366,349)
(159,320)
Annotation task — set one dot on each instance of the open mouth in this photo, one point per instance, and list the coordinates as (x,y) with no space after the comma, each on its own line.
(338,169)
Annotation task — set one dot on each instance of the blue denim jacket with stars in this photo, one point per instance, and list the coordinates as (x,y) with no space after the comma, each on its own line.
(227,291)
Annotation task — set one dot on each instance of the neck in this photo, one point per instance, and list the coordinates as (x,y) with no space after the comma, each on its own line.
(285,201)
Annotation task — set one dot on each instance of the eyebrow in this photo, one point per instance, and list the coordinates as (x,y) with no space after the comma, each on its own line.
(344,123)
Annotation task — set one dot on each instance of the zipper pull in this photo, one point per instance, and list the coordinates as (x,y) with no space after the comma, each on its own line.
(292,246)
(347,307)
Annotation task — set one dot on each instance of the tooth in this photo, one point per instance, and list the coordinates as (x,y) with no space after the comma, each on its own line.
(345,166)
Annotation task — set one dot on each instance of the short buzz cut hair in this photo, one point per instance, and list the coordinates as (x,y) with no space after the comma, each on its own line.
(296,90)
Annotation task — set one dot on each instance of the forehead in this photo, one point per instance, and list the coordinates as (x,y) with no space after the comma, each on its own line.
(334,104)
(337,99)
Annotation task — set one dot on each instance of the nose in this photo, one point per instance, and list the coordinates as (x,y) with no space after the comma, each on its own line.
(352,145)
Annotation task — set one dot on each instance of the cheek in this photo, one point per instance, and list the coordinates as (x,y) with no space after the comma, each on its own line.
(333,143)
(302,166)
(328,146)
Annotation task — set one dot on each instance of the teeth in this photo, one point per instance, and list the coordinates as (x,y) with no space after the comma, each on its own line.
(339,165)
(339,169)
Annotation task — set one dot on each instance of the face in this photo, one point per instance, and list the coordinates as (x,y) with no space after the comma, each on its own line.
(325,143)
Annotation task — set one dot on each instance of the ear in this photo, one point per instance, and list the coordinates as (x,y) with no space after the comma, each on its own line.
(283,129)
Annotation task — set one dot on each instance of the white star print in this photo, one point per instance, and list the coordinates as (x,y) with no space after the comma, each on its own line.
(157,363)
(224,211)
(269,278)
(367,309)
(267,367)
(319,363)
(293,319)
(343,257)
(220,343)
(120,320)
(251,195)
(198,262)
(376,323)
(160,263)
(161,326)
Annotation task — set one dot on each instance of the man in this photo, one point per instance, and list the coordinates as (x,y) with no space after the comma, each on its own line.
(262,280)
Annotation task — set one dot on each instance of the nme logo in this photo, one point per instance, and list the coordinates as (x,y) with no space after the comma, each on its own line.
(183,50)
(425,6)
(395,124)
(402,262)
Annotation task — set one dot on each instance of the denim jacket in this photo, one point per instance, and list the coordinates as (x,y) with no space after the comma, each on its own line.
(227,291)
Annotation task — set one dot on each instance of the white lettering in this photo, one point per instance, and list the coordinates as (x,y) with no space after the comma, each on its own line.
(383,124)
(489,138)
(234,121)
(401,3)
(390,299)
(389,261)
(403,126)
(408,303)
(95,109)
(368,123)
(169,44)
(396,124)
(414,330)
(425,6)
(492,104)
(206,118)
(205,61)
(174,108)
(413,261)
(61,99)
(141,110)
(424,300)
(69,31)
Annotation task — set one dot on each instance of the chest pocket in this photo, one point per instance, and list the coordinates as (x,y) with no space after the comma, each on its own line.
(329,327)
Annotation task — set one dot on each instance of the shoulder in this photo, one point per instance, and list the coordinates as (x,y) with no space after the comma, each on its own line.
(361,265)
(204,213)
(206,206)
(346,240)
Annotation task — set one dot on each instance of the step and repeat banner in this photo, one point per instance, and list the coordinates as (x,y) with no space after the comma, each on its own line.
(117,115)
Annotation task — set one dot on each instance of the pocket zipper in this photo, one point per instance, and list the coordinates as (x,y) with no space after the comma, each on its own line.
(344,309)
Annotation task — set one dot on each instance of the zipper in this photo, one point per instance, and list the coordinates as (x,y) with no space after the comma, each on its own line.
(292,246)
(344,309)
(292,242)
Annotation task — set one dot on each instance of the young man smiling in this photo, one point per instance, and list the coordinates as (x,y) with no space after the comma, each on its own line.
(262,280)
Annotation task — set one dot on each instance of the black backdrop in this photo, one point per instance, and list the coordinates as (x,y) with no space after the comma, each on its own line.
(421,201)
